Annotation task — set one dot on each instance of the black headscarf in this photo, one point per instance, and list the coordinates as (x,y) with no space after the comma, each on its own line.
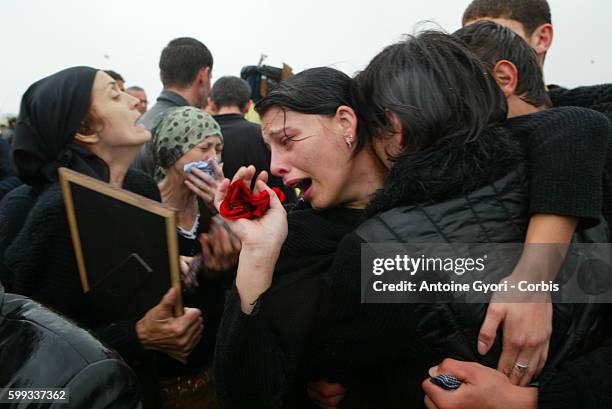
(51,112)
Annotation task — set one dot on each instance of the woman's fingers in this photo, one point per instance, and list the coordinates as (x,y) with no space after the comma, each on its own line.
(246,174)
(221,193)
(205,195)
(207,256)
(275,202)
(218,168)
(184,263)
(203,181)
(263,176)
(196,175)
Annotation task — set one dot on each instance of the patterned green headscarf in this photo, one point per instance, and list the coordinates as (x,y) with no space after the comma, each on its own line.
(179,131)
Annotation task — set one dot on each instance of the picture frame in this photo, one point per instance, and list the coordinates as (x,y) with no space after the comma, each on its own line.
(126,246)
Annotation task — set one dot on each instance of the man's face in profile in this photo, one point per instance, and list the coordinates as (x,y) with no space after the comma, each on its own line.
(142,99)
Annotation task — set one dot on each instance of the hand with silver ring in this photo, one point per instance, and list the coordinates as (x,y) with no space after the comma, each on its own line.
(521,367)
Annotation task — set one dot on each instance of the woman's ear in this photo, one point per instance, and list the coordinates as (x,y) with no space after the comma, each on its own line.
(87,139)
(347,120)
(506,75)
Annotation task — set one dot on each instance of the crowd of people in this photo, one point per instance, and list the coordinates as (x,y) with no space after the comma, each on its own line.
(442,138)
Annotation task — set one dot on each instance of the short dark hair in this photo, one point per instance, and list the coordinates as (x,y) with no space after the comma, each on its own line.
(230,91)
(530,13)
(316,91)
(181,60)
(438,89)
(492,42)
(114,75)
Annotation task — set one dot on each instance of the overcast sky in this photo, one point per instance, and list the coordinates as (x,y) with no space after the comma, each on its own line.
(39,37)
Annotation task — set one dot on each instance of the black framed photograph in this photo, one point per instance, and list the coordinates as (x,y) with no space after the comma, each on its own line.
(126,246)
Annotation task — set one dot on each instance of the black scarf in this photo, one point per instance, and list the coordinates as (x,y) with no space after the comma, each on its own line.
(51,112)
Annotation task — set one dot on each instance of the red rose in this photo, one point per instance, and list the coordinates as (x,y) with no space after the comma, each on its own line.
(241,203)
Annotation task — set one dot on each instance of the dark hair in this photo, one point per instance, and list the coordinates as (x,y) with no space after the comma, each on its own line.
(530,13)
(181,60)
(114,75)
(230,91)
(316,91)
(492,42)
(439,90)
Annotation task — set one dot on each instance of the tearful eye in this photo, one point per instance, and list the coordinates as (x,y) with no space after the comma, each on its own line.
(285,141)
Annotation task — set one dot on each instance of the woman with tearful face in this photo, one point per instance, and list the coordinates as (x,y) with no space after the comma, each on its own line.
(295,313)
(80,119)
(184,136)
(187,135)
(311,129)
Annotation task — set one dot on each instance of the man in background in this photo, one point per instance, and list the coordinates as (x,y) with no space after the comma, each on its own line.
(243,144)
(138,92)
(531,20)
(185,70)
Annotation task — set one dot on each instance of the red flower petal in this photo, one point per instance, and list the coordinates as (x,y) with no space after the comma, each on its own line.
(240,202)
(280,194)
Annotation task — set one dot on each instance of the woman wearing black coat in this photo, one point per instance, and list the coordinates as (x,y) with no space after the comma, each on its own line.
(80,119)
(436,120)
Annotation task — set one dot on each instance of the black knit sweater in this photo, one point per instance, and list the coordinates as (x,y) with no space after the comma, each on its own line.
(257,355)
(263,360)
(567,154)
(585,382)
(43,266)
(597,98)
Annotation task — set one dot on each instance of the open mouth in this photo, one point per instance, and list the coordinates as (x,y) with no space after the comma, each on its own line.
(303,185)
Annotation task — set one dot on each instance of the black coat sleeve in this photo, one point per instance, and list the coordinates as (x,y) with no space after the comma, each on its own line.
(248,364)
(567,157)
(595,97)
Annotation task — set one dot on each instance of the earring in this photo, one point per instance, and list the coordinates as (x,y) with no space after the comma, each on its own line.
(349,141)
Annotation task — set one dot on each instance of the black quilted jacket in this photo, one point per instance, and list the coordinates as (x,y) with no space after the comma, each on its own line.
(41,349)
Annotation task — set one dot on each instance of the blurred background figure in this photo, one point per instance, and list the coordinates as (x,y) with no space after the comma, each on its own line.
(185,69)
(138,92)
(229,101)
(7,128)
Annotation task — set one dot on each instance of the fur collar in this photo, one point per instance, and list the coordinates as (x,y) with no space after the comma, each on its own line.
(448,170)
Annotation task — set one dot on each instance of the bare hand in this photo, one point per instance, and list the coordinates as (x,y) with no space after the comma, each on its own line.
(176,337)
(482,388)
(269,230)
(527,328)
(326,395)
(261,240)
(204,185)
(184,263)
(220,247)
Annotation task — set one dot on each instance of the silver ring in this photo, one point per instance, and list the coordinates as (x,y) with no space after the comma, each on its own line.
(522,367)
